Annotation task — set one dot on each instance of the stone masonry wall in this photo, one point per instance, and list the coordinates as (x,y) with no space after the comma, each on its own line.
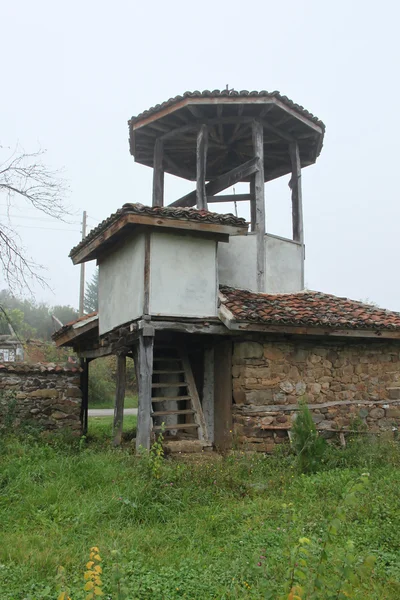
(348,386)
(48,395)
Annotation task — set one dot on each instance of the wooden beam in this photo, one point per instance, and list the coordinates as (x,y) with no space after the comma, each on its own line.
(208,392)
(295,184)
(202,327)
(253,216)
(229,198)
(84,376)
(201,164)
(119,400)
(221,183)
(158,174)
(144,372)
(258,142)
(95,353)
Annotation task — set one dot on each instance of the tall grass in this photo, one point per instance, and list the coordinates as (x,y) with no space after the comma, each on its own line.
(197,531)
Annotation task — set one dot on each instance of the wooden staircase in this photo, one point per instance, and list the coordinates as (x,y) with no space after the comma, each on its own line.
(176,407)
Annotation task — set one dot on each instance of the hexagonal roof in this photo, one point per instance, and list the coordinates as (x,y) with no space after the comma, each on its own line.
(229,115)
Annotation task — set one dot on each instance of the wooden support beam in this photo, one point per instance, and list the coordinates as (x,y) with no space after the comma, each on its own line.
(297,201)
(85,394)
(201,164)
(208,392)
(258,142)
(295,184)
(229,198)
(253,203)
(221,183)
(144,372)
(223,395)
(119,400)
(158,174)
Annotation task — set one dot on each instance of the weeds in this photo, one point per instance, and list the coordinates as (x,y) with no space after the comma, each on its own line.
(307,444)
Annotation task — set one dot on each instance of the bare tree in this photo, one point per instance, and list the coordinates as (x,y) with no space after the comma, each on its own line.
(24,176)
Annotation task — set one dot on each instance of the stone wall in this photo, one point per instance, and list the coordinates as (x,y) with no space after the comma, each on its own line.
(48,395)
(347,385)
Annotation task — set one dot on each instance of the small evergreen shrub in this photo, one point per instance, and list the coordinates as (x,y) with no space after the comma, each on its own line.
(307,444)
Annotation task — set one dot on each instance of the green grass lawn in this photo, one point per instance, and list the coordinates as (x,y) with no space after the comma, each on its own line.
(131,401)
(196,532)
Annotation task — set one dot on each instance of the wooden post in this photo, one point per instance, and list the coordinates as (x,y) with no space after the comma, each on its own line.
(223,395)
(252,203)
(208,392)
(297,201)
(202,145)
(144,377)
(158,174)
(85,394)
(119,399)
(297,205)
(258,143)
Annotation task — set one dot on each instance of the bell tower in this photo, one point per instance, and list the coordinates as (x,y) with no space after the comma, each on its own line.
(218,139)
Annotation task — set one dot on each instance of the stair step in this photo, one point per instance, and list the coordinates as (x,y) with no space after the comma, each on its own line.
(166,372)
(161,413)
(170,398)
(177,426)
(169,384)
(166,359)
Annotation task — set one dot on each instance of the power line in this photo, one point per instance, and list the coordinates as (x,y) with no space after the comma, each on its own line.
(49,228)
(38,219)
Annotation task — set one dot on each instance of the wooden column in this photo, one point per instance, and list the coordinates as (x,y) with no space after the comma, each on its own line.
(84,384)
(223,395)
(208,392)
(258,143)
(158,174)
(297,203)
(201,162)
(144,377)
(119,399)
(252,203)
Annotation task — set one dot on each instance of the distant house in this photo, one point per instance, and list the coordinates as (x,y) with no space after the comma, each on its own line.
(225,339)
(11,349)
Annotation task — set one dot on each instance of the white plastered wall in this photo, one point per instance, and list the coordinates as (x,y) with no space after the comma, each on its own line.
(183,276)
(121,285)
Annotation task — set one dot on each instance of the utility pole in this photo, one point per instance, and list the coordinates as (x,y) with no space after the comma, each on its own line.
(82,284)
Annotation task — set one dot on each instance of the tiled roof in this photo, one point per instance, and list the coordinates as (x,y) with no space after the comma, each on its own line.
(89,317)
(170,212)
(308,308)
(20,367)
(232,94)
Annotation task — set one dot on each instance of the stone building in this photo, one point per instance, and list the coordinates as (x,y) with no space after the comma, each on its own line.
(226,341)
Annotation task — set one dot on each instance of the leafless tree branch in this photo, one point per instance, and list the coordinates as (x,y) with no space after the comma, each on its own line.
(24,176)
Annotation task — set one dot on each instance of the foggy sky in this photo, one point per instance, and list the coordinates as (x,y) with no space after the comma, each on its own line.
(73,73)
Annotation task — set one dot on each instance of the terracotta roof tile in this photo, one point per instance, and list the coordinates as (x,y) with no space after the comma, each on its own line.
(22,367)
(170,212)
(307,308)
(233,94)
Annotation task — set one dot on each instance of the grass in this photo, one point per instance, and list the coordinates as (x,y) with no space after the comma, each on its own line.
(197,532)
(100,428)
(131,401)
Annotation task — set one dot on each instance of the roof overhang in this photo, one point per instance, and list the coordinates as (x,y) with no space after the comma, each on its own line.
(70,335)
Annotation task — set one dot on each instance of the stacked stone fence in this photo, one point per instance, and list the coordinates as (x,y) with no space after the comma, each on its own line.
(47,395)
(349,387)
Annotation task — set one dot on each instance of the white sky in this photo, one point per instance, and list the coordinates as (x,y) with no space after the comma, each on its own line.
(73,73)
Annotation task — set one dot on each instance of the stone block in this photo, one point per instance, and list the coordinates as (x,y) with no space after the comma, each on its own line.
(44,394)
(394,393)
(393,412)
(260,397)
(377,413)
(314,388)
(287,387)
(247,350)
(300,388)
(265,421)
(239,396)
(58,415)
(73,392)
(272,352)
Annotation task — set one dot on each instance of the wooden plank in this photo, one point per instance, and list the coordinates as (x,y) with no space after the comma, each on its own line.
(144,371)
(173,384)
(253,213)
(258,142)
(176,426)
(201,165)
(229,198)
(295,183)
(169,398)
(265,410)
(203,328)
(119,400)
(162,413)
(223,395)
(208,392)
(95,353)
(221,183)
(158,174)
(199,416)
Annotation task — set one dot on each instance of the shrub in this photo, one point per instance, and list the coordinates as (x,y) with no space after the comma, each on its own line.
(307,444)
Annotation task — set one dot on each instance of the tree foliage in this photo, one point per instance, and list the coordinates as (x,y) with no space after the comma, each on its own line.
(32,319)
(91,302)
(25,177)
